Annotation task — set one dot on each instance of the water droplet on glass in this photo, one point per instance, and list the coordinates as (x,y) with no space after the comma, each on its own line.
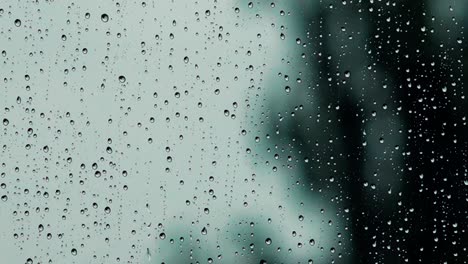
(104,18)
(312,242)
(148,254)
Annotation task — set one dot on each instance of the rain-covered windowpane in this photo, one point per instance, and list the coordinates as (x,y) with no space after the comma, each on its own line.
(229,131)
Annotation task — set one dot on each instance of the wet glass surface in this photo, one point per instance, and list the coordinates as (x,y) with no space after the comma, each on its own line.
(233,131)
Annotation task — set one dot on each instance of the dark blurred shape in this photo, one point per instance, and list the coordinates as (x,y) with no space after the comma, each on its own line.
(420,56)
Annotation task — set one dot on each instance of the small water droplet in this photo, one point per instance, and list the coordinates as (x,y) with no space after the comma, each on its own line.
(104,18)
(148,254)
(312,242)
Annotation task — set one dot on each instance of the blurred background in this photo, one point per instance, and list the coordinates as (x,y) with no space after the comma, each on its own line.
(233,132)
(385,132)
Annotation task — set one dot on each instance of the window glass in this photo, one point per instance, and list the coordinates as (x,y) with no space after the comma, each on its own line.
(230,131)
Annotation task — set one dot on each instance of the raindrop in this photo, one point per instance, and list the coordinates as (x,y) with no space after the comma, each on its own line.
(312,242)
(104,18)
(148,254)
